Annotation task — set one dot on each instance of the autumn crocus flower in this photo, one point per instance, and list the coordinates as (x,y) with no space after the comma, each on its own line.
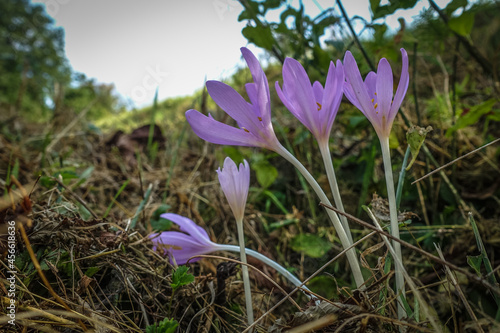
(254,118)
(190,241)
(376,99)
(193,240)
(313,105)
(375,96)
(235,183)
(316,107)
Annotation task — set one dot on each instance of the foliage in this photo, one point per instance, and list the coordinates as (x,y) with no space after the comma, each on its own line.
(181,277)
(32,60)
(164,326)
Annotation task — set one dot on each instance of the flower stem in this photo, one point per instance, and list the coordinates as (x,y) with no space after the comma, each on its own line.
(282,270)
(332,179)
(244,270)
(351,254)
(400,283)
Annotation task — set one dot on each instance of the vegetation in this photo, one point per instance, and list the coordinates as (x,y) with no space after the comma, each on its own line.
(87,190)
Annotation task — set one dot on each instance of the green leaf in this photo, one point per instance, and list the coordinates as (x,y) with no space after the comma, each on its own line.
(233,153)
(312,245)
(322,57)
(260,36)
(471,116)
(181,277)
(393,140)
(454,5)
(374,4)
(159,223)
(495,115)
(164,326)
(324,285)
(84,176)
(251,12)
(463,24)
(91,271)
(266,173)
(475,262)
(382,11)
(415,137)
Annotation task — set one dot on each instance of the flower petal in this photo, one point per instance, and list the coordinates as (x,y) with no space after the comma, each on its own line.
(261,85)
(216,132)
(333,93)
(188,226)
(301,93)
(402,86)
(371,86)
(358,86)
(180,246)
(234,105)
(282,94)
(235,183)
(384,88)
(349,94)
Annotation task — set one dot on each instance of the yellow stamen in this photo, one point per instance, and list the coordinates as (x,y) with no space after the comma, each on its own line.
(243,128)
(375,106)
(373,100)
(319,106)
(260,119)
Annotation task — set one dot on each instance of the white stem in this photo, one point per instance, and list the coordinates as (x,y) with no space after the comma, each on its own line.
(332,179)
(244,270)
(351,254)
(259,256)
(391,194)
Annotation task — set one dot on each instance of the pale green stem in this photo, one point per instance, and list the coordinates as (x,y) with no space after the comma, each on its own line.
(244,271)
(351,254)
(400,283)
(259,256)
(332,179)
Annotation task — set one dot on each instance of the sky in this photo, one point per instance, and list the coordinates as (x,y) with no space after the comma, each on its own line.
(140,46)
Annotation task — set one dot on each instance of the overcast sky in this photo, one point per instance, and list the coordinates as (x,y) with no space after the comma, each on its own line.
(172,45)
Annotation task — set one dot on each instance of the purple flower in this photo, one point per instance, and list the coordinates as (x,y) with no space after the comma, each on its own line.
(235,183)
(375,96)
(193,240)
(313,105)
(254,119)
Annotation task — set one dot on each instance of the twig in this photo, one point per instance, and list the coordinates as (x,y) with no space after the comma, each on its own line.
(356,39)
(455,284)
(455,160)
(412,247)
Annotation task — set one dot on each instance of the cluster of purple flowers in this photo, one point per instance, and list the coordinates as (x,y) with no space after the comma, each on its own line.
(314,105)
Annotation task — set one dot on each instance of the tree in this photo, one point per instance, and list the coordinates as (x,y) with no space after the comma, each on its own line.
(32,58)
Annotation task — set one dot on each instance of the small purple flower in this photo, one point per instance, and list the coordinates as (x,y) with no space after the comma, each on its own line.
(235,183)
(313,105)
(375,96)
(193,240)
(254,119)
